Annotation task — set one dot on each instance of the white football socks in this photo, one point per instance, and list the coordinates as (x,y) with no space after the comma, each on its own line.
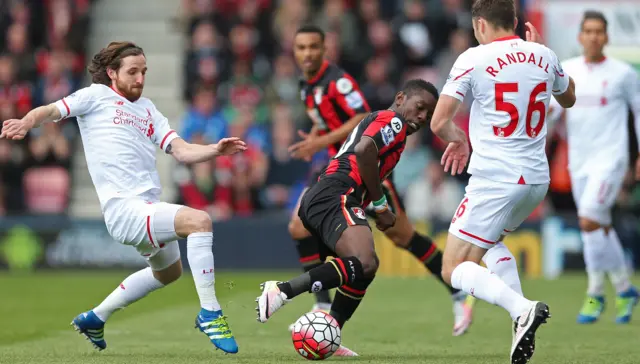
(595,253)
(133,288)
(200,256)
(479,282)
(500,260)
(618,272)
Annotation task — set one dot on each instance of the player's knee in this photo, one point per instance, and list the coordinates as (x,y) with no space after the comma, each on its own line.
(370,265)
(170,274)
(297,229)
(447,271)
(588,225)
(201,222)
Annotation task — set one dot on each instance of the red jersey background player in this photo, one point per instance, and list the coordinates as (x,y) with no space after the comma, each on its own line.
(333,208)
(335,105)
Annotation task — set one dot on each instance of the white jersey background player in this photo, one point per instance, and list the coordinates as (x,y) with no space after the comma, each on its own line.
(598,138)
(120,131)
(511,81)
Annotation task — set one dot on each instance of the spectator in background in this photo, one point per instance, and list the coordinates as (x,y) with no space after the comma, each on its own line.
(205,59)
(434,198)
(204,122)
(244,91)
(379,91)
(19,48)
(280,173)
(417,35)
(459,42)
(284,87)
(336,18)
(12,91)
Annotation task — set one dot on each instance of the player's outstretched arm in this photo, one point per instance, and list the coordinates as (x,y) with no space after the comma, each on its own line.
(16,129)
(188,153)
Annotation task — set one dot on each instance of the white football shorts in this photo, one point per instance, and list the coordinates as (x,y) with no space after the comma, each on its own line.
(147,225)
(490,209)
(596,193)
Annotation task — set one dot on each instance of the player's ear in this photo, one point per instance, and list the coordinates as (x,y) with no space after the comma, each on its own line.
(111,73)
(400,97)
(515,22)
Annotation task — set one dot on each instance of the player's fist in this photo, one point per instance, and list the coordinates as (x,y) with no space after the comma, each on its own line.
(385,220)
(229,146)
(532,34)
(14,129)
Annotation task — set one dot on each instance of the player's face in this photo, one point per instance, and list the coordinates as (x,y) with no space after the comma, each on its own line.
(309,52)
(593,37)
(417,110)
(129,79)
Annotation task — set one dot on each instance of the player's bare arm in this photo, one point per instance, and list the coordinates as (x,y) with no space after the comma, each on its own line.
(17,129)
(568,98)
(457,153)
(367,159)
(188,153)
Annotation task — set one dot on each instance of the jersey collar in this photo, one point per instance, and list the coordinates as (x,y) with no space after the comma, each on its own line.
(318,75)
(510,37)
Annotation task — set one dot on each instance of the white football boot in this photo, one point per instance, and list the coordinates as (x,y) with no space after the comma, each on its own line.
(270,301)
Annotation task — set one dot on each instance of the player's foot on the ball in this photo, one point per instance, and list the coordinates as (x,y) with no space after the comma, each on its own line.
(270,300)
(344,351)
(625,302)
(522,347)
(462,314)
(89,325)
(214,325)
(322,307)
(591,310)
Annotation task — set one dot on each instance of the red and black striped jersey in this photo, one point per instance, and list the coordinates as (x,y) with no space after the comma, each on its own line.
(332,97)
(388,131)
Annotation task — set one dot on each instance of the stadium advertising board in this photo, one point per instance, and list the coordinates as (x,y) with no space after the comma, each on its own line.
(543,249)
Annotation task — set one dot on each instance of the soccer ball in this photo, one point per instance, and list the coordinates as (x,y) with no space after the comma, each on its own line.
(316,335)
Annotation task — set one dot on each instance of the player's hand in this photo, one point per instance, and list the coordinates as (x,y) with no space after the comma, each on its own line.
(306,148)
(385,220)
(456,156)
(15,129)
(532,34)
(229,146)
(638,169)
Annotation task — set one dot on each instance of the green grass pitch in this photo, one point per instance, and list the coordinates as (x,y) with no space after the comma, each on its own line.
(400,321)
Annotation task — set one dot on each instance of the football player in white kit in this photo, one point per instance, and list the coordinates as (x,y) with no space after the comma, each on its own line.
(511,81)
(598,140)
(120,131)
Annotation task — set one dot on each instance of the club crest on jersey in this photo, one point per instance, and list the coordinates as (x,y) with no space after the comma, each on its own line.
(317,95)
(344,85)
(358,212)
(388,135)
(396,125)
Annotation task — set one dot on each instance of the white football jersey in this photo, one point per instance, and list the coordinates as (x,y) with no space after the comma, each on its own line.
(119,138)
(597,124)
(512,81)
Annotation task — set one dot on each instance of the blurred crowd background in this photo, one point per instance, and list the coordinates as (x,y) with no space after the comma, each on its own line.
(241,80)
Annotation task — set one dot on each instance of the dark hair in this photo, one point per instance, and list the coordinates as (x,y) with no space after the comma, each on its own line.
(500,13)
(310,28)
(594,15)
(413,86)
(111,57)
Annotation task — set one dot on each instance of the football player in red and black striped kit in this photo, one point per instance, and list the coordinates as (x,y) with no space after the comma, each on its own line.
(333,208)
(336,105)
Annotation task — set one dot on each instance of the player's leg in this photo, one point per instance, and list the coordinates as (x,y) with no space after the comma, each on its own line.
(404,236)
(197,227)
(488,207)
(326,212)
(141,224)
(308,248)
(603,253)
